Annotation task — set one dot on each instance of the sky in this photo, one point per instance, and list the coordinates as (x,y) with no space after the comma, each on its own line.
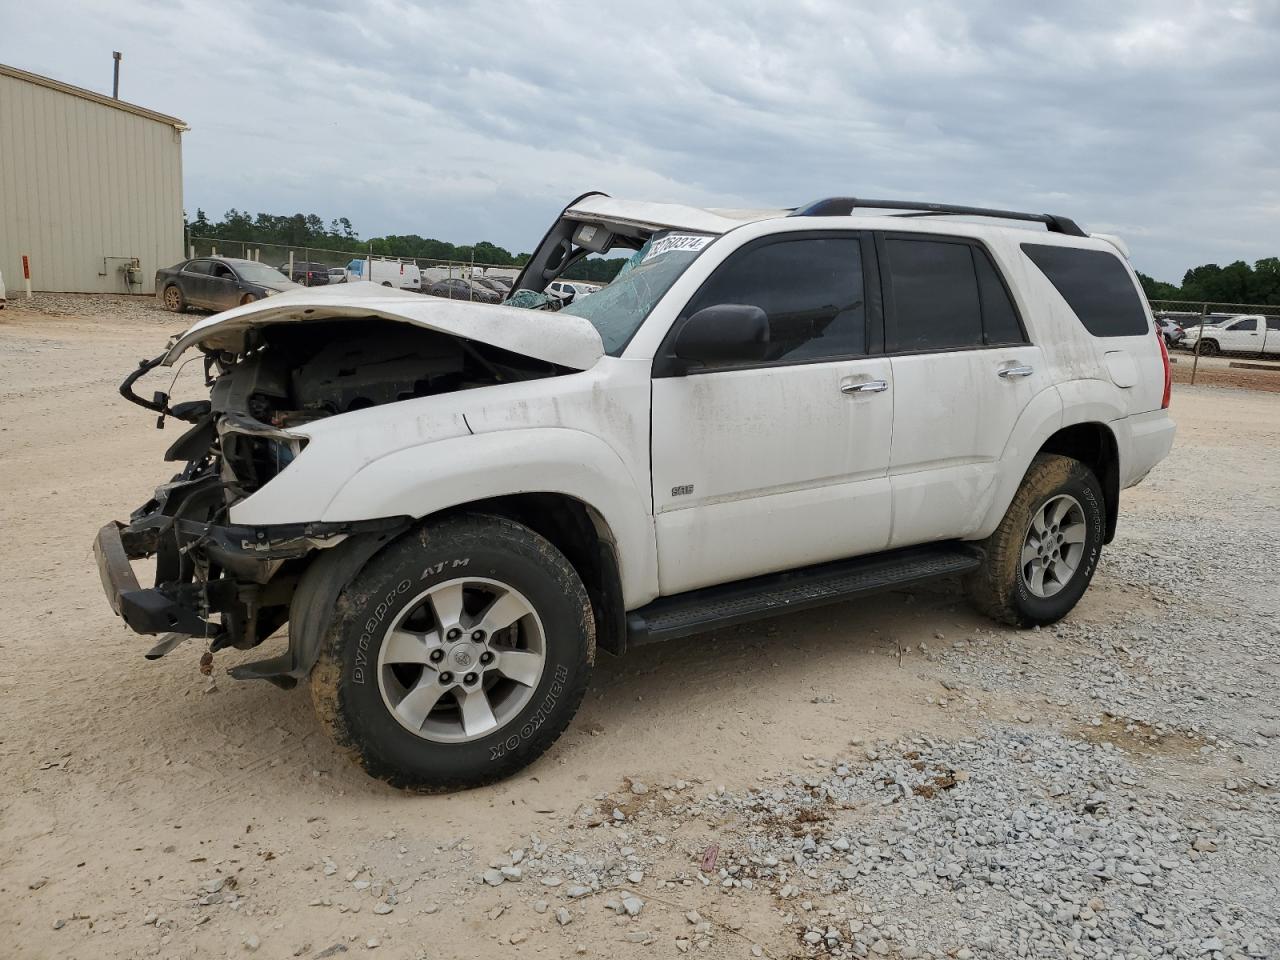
(1158,121)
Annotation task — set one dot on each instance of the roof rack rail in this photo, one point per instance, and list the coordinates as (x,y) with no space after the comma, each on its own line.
(844,206)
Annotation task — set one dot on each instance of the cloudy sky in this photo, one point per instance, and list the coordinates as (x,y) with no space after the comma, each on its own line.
(1159,121)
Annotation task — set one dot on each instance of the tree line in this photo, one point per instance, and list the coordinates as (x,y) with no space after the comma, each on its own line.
(301,230)
(1235,283)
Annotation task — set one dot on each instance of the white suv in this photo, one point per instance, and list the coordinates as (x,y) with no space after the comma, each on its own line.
(453,505)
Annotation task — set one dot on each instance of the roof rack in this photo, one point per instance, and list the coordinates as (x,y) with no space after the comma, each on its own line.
(844,206)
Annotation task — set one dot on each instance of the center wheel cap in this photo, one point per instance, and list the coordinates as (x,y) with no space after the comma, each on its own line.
(463,658)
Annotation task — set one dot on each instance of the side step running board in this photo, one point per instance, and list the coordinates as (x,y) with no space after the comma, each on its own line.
(710,608)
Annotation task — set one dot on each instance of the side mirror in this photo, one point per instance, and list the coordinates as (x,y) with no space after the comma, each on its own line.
(724,333)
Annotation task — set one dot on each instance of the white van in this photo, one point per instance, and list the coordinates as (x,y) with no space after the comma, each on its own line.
(388,273)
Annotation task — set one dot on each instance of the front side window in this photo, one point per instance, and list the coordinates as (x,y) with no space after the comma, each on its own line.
(618,310)
(1249,325)
(1095,285)
(811,289)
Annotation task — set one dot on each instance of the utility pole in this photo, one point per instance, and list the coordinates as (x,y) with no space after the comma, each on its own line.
(115,80)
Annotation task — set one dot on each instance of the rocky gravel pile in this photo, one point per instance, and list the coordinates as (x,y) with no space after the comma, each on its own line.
(97,305)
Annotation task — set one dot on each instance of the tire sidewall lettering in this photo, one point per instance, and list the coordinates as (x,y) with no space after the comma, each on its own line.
(384,607)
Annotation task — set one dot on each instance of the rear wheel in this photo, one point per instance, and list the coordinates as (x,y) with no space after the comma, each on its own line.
(1041,558)
(457,656)
(173,299)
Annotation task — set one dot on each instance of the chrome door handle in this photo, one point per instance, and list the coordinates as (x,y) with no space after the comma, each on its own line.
(866,386)
(1022,370)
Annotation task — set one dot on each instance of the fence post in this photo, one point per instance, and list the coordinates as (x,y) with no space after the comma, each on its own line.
(290,264)
(1204,312)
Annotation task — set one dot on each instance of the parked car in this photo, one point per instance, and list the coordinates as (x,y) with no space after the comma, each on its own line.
(455,506)
(309,273)
(570,288)
(492,285)
(1171,331)
(459,289)
(337,275)
(217,283)
(1253,333)
(400,274)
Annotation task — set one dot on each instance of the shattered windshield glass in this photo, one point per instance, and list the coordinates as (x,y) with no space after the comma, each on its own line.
(618,310)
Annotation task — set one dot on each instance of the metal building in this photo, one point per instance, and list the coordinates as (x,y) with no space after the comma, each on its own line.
(90,187)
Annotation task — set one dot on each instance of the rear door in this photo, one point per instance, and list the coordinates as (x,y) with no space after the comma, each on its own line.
(773,465)
(197,283)
(963,371)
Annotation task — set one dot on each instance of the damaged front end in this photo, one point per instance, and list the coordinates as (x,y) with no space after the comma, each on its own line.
(236,584)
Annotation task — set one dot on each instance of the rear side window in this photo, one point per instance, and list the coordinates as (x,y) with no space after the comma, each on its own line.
(1095,285)
(204,267)
(811,289)
(1273,323)
(946,295)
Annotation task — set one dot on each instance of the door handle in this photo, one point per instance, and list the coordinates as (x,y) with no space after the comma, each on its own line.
(1021,370)
(865,386)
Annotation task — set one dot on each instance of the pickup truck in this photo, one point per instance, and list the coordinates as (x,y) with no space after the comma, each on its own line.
(454,506)
(1254,334)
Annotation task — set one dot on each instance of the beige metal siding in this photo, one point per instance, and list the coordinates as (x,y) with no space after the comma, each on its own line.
(81,181)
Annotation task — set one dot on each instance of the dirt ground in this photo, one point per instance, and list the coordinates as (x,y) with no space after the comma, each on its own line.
(1219,372)
(134,789)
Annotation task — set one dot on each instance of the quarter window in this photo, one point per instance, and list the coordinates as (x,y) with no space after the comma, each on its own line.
(811,288)
(1095,285)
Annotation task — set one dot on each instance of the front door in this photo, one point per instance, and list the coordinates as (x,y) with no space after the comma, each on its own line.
(963,372)
(783,463)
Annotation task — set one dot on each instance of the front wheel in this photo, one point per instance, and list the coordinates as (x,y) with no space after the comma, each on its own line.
(1209,348)
(1041,558)
(457,656)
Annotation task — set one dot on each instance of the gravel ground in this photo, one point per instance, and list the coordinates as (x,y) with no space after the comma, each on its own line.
(894,778)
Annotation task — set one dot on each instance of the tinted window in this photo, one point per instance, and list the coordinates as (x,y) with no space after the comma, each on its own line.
(1273,323)
(934,292)
(999,318)
(204,267)
(1095,285)
(810,288)
(1250,325)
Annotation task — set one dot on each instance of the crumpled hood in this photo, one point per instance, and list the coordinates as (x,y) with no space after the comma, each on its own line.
(557,338)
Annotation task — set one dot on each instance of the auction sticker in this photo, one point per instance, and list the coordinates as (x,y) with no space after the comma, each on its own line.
(676,241)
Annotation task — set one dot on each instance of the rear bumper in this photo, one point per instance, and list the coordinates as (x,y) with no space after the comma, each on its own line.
(1145,440)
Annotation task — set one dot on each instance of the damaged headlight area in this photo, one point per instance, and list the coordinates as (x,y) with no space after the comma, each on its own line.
(236,584)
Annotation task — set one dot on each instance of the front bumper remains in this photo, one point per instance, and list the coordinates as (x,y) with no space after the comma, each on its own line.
(246,559)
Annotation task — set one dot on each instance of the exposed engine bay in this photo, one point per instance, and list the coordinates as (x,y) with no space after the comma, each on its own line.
(285,375)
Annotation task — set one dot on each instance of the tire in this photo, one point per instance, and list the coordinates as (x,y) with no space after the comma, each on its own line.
(1004,588)
(247,299)
(173,299)
(1209,348)
(385,698)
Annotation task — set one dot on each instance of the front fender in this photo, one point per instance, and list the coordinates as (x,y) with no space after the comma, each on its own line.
(425,479)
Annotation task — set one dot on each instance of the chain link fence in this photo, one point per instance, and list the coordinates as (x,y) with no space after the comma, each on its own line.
(1248,334)
(386,267)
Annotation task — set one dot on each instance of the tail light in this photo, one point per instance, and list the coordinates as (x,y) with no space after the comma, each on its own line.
(1168,372)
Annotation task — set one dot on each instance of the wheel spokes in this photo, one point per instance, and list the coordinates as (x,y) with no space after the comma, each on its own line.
(446,602)
(522,666)
(409,646)
(504,611)
(477,713)
(1074,533)
(419,701)
(1036,580)
(1060,508)
(1030,552)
